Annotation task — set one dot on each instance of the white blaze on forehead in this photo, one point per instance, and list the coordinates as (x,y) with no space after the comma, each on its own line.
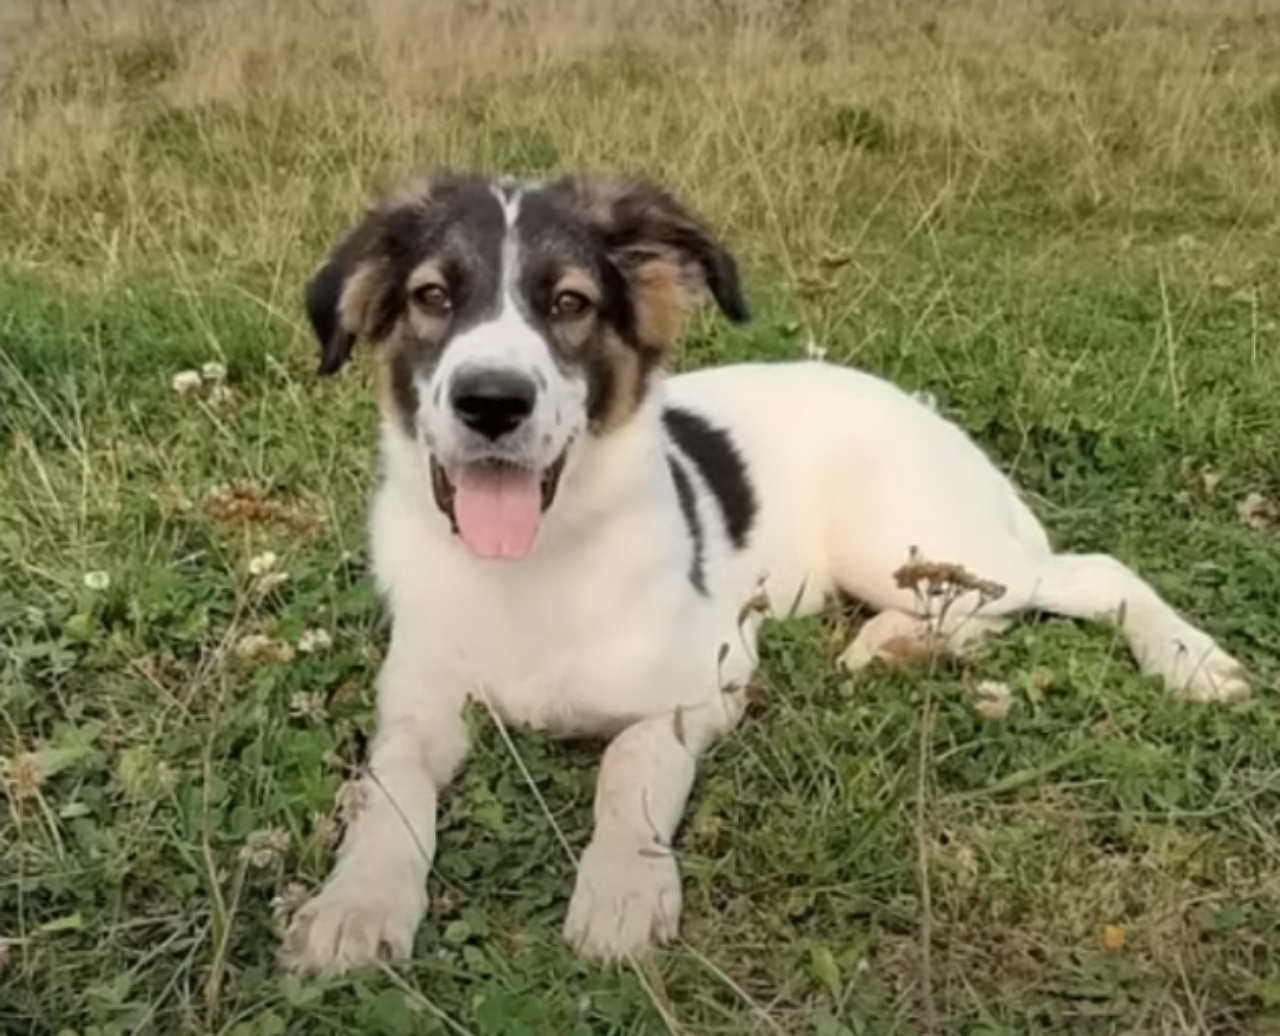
(509,193)
(507,338)
(497,510)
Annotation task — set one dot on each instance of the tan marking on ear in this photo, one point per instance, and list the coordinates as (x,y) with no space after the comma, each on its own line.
(382,381)
(360,297)
(661,298)
(664,284)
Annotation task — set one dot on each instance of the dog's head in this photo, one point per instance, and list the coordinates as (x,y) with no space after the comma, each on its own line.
(510,321)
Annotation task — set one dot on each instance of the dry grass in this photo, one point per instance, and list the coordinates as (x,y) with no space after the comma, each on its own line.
(771,113)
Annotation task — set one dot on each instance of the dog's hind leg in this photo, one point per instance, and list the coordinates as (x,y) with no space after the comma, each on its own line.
(1099,588)
(894,636)
(994,552)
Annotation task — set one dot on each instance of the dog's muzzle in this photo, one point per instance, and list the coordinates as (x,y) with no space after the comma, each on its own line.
(492,484)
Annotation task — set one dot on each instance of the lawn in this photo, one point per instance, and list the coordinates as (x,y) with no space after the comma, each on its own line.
(1062,220)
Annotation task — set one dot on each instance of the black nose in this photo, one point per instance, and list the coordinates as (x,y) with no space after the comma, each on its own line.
(492,402)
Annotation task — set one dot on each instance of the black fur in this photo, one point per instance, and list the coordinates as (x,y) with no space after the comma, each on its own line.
(397,238)
(323,292)
(689,508)
(721,467)
(646,217)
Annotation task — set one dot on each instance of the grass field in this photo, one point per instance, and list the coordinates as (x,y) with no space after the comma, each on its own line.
(1060,218)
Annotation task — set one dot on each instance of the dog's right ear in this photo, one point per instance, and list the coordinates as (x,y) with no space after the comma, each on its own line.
(346,296)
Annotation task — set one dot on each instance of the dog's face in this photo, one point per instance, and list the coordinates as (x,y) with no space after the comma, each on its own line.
(511,320)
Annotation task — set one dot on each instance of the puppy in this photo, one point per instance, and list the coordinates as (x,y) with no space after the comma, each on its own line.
(588,547)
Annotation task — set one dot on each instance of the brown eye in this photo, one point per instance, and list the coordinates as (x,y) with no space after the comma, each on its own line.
(569,304)
(433,299)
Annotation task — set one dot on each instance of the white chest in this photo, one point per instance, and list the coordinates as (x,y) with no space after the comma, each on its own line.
(578,647)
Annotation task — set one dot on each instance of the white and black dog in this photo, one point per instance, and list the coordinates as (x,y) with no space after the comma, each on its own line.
(588,546)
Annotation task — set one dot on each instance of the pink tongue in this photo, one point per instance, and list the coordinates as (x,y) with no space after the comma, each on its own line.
(497,509)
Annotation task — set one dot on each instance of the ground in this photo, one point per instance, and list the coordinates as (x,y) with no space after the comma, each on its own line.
(1060,220)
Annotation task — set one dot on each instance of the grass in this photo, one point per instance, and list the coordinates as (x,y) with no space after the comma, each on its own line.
(1062,220)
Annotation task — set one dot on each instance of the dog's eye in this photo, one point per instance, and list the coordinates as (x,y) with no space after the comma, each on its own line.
(433,299)
(569,304)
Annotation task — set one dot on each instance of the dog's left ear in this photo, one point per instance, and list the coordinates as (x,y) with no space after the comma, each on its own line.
(664,251)
(346,295)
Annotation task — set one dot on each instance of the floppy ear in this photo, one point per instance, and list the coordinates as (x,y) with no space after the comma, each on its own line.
(665,252)
(346,294)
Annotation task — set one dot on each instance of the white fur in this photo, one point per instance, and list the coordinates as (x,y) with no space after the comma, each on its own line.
(599,631)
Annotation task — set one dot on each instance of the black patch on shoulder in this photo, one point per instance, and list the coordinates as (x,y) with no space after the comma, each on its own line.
(689,508)
(722,468)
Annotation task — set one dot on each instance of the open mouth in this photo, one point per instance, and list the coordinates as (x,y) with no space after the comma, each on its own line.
(494,505)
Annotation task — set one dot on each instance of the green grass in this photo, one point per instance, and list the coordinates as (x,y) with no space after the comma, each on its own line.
(1076,256)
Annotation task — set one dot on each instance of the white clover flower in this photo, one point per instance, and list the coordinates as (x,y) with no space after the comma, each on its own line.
(253,645)
(1256,511)
(994,699)
(258,647)
(263,563)
(263,848)
(813,350)
(185,383)
(214,372)
(306,705)
(270,581)
(97,581)
(314,640)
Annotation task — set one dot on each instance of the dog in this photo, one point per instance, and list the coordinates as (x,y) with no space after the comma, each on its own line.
(588,545)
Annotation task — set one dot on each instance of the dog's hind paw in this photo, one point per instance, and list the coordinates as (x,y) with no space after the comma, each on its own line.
(626,901)
(1204,672)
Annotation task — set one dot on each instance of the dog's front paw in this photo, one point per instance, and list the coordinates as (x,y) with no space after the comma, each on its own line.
(625,901)
(356,920)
